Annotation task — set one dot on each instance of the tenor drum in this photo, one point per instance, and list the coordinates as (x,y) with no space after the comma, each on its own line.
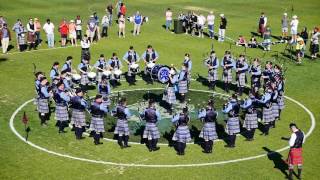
(117,74)
(134,68)
(107,74)
(92,76)
(76,78)
(160,73)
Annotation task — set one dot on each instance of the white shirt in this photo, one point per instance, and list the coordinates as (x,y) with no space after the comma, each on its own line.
(201,20)
(294,24)
(293,138)
(78,24)
(85,44)
(168,15)
(210,19)
(48,28)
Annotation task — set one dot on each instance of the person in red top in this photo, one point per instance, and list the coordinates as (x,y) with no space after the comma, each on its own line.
(123,10)
(64,29)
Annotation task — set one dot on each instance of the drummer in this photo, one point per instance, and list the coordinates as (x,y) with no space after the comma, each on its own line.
(183,83)
(170,95)
(149,56)
(83,67)
(114,64)
(131,58)
(100,66)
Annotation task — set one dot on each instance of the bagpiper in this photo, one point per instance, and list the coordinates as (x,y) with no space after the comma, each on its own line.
(38,75)
(55,75)
(255,70)
(100,65)
(83,67)
(104,87)
(213,64)
(208,132)
(61,99)
(267,116)
(183,83)
(227,64)
(267,73)
(43,101)
(241,69)
(169,94)
(182,134)
(280,89)
(78,116)
(67,66)
(251,116)
(233,124)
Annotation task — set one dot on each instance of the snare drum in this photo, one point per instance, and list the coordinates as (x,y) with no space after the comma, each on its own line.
(117,74)
(76,78)
(107,74)
(134,68)
(160,73)
(92,76)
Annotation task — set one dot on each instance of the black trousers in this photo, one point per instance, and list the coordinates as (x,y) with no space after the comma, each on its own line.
(104,32)
(79,34)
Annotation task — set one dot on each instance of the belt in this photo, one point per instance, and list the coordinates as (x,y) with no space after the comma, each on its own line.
(85,48)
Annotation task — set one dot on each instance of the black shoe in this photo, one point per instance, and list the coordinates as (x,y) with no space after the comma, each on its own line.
(229,146)
(127,146)
(205,151)
(150,150)
(156,148)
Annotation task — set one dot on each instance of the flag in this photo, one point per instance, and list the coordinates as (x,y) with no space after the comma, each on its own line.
(25,119)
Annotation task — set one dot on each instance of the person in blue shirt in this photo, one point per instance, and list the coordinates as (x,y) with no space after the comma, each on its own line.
(104,87)
(18,29)
(61,99)
(38,75)
(114,64)
(137,20)
(213,64)
(182,134)
(132,58)
(251,117)
(83,68)
(267,114)
(151,133)
(169,94)
(241,69)
(65,81)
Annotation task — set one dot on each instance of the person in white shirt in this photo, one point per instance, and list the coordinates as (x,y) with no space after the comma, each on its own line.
(294,28)
(168,19)
(79,27)
(105,22)
(201,22)
(210,21)
(85,45)
(49,30)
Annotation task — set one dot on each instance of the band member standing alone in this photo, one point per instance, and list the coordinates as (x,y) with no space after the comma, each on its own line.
(182,134)
(233,124)
(62,99)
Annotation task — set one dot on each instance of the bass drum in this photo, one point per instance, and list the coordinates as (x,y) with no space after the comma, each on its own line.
(160,73)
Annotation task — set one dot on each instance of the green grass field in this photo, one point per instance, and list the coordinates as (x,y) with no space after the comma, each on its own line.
(21,161)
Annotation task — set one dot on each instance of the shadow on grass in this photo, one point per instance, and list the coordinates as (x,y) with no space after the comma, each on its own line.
(279,163)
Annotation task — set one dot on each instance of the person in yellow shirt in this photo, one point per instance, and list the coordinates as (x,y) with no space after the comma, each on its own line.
(37,26)
(300,47)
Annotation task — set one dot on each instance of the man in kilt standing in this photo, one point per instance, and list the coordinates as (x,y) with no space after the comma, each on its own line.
(43,101)
(122,113)
(280,88)
(267,74)
(38,76)
(208,132)
(182,134)
(131,57)
(188,64)
(255,70)
(169,94)
(61,99)
(78,117)
(83,67)
(183,83)
(267,115)
(241,69)
(274,101)
(151,115)
(98,110)
(213,64)
(227,64)
(100,65)
(251,117)
(233,124)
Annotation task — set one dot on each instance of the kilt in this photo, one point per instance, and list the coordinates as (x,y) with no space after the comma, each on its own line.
(261,29)
(31,37)
(43,105)
(314,48)
(84,79)
(233,125)
(213,75)
(267,115)
(208,131)
(62,113)
(122,128)
(250,121)
(151,131)
(182,134)
(275,110)
(99,75)
(242,80)
(295,156)
(170,96)
(281,102)
(97,124)
(78,118)
(227,75)
(183,87)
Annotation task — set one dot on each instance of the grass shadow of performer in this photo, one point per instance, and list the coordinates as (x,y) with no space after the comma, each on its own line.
(279,163)
(168,136)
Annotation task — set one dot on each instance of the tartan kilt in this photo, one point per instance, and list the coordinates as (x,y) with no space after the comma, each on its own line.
(250,121)
(170,97)
(183,87)
(99,76)
(281,102)
(242,80)
(227,76)
(61,113)
(43,105)
(122,128)
(97,124)
(295,156)
(267,115)
(84,79)
(213,75)
(233,125)
(208,131)
(275,110)
(182,134)
(78,118)
(151,131)
(31,37)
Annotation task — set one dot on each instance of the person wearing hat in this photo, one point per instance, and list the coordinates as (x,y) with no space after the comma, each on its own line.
(227,64)
(137,20)
(231,109)
(222,28)
(38,26)
(98,111)
(64,29)
(122,113)
(100,65)
(183,83)
(61,99)
(294,29)
(131,57)
(255,71)
(210,20)
(5,38)
(284,26)
(182,134)
(212,63)
(241,69)
(250,117)
(78,116)
(43,101)
(262,25)
(31,34)
(151,133)
(49,30)
(169,94)
(72,33)
(267,113)
(91,28)
(208,132)
(314,45)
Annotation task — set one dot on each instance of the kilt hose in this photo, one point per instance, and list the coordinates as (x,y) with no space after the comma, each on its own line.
(183,87)
(227,75)
(295,156)
(250,121)
(213,75)
(43,106)
(151,131)
(122,128)
(208,131)
(97,124)
(182,134)
(78,118)
(233,126)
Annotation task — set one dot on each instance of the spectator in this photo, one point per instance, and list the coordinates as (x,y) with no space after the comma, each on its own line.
(122,26)
(284,25)
(314,45)
(72,33)
(18,29)
(79,28)
(64,32)
(300,47)
(37,33)
(304,35)
(31,34)
(201,21)
(97,33)
(222,28)
(2,21)
(262,24)
(123,9)
(137,20)
(5,38)
(253,42)
(92,27)
(109,11)
(49,30)
(168,19)
(294,29)
(105,22)
(118,6)
(210,19)
(241,41)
